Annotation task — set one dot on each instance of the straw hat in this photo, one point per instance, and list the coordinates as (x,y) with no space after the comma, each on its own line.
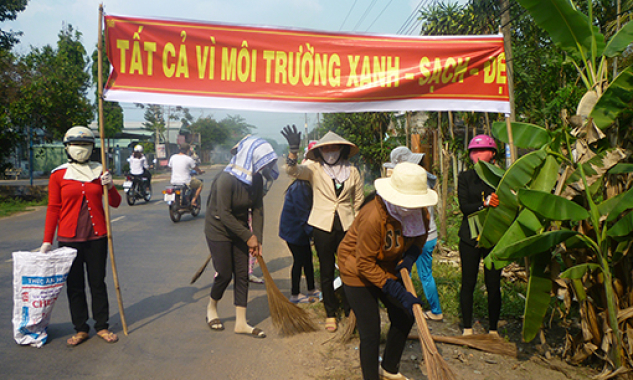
(331,138)
(403,154)
(407,187)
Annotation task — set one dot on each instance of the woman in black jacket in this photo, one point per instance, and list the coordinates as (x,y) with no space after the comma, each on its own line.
(473,195)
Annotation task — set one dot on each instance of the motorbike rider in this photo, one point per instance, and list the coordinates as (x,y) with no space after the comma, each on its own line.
(181,165)
(139,167)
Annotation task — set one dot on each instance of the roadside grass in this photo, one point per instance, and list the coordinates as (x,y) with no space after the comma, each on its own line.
(10,206)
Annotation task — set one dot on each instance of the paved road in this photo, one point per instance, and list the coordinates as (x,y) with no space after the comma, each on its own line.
(168,338)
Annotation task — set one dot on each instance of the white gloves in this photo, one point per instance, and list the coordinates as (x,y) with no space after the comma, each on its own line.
(46,247)
(106,179)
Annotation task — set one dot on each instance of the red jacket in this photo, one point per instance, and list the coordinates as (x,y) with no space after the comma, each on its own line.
(64,203)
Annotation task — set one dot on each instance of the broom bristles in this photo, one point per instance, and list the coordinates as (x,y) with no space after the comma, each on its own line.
(287,317)
(482,342)
(200,270)
(350,326)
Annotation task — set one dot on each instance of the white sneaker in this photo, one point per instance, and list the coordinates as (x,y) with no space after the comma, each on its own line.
(384,375)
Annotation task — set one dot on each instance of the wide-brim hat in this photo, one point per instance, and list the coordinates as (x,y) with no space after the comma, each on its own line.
(403,154)
(407,187)
(331,138)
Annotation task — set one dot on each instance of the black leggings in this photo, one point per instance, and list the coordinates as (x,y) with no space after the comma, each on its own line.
(302,255)
(93,255)
(326,244)
(230,260)
(364,303)
(470,257)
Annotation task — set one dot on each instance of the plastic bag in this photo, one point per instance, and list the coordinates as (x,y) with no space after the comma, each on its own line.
(38,278)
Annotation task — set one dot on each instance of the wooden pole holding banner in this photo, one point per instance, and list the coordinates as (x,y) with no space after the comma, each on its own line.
(106,205)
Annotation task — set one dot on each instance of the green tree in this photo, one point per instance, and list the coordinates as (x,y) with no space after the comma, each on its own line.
(9,10)
(211,132)
(112,111)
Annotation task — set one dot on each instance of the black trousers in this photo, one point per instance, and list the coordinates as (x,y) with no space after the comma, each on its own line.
(470,257)
(364,303)
(230,259)
(326,244)
(92,255)
(302,261)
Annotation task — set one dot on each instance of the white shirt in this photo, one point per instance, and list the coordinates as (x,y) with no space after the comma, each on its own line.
(137,165)
(181,166)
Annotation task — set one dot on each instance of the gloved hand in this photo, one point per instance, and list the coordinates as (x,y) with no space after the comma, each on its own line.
(46,247)
(492,200)
(396,290)
(408,259)
(106,179)
(293,137)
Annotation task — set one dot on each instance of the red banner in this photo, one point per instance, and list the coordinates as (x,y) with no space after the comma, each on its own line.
(200,64)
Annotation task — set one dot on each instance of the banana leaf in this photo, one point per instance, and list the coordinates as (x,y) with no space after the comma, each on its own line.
(624,203)
(621,169)
(550,206)
(568,28)
(620,41)
(623,227)
(527,223)
(538,296)
(576,272)
(489,173)
(524,135)
(532,245)
(516,177)
(614,100)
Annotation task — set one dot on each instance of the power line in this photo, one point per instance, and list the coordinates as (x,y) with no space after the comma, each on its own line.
(348,13)
(362,18)
(411,18)
(377,17)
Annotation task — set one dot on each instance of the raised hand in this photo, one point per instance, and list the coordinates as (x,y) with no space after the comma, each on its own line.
(293,137)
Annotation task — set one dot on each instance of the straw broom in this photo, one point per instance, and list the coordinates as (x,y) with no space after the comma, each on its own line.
(200,270)
(348,331)
(436,367)
(287,317)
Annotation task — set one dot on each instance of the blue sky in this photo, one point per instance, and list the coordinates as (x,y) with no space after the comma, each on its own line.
(43,19)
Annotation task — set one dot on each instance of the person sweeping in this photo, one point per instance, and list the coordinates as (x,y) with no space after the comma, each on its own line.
(473,195)
(235,191)
(388,234)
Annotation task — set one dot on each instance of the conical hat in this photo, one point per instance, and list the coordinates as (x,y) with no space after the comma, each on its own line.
(332,138)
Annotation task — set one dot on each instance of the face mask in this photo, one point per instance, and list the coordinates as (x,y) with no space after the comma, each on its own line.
(79,153)
(267,173)
(331,157)
(484,155)
(406,211)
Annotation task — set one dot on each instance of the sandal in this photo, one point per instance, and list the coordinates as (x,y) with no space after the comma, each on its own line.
(330,325)
(434,317)
(108,336)
(300,298)
(77,339)
(215,324)
(258,333)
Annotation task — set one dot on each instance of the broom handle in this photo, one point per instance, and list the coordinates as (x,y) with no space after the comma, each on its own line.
(423,329)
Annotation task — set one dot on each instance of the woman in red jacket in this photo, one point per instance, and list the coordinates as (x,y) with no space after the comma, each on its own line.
(75,210)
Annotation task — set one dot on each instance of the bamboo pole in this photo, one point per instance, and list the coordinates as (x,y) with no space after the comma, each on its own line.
(106,205)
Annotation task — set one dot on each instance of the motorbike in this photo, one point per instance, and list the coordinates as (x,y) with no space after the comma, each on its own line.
(137,188)
(178,198)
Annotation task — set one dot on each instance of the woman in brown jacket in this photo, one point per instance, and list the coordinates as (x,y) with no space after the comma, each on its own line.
(388,234)
(337,195)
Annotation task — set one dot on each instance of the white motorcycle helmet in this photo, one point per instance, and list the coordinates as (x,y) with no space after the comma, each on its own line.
(79,142)
(138,148)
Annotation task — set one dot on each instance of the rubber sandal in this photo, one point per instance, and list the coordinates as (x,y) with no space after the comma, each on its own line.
(330,325)
(215,324)
(77,339)
(258,333)
(254,279)
(108,336)
(384,375)
(316,294)
(300,298)
(433,317)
